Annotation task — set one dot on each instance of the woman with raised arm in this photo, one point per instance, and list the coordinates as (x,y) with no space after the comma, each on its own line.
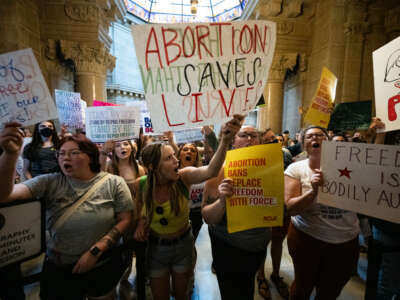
(87,211)
(322,240)
(165,214)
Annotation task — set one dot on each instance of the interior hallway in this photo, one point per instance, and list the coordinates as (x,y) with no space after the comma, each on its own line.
(206,286)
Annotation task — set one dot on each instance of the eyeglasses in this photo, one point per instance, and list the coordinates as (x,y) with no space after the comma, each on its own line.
(244,135)
(74,153)
(316,135)
(160,211)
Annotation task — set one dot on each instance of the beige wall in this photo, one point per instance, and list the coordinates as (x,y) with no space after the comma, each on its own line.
(69,39)
(338,34)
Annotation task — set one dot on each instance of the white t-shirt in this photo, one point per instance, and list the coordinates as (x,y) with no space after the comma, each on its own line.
(328,224)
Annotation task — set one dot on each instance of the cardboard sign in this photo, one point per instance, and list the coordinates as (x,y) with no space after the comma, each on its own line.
(351,116)
(197,74)
(24,96)
(188,135)
(387,84)
(257,174)
(21,231)
(363,178)
(69,108)
(321,106)
(115,123)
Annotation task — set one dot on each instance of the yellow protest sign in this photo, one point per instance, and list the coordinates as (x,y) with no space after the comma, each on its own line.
(257,174)
(319,112)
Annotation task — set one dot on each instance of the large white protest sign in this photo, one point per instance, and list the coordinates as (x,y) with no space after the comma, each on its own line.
(24,96)
(21,228)
(69,108)
(387,84)
(112,123)
(188,135)
(363,178)
(197,74)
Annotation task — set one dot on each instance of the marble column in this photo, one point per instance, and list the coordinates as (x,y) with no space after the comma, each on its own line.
(270,116)
(91,65)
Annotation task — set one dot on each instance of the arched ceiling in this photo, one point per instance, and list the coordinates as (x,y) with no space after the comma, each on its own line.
(177,11)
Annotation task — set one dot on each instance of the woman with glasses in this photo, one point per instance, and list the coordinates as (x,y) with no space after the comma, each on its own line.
(322,240)
(40,154)
(165,214)
(87,211)
(236,256)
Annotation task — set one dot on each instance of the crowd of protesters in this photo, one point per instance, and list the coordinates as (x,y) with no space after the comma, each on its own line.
(99,195)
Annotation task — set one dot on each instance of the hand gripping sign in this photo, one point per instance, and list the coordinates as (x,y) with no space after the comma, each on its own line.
(197,74)
(257,174)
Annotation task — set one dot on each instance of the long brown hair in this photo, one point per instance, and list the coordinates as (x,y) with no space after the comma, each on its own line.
(132,160)
(197,161)
(151,157)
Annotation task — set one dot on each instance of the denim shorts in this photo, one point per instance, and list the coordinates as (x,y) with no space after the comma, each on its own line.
(165,258)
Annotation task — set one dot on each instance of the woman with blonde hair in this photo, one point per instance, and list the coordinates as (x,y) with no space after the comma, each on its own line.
(165,214)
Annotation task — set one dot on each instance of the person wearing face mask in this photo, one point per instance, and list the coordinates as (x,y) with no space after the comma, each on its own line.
(40,154)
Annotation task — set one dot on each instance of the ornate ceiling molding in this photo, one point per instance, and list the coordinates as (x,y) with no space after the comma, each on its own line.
(82,13)
(280,63)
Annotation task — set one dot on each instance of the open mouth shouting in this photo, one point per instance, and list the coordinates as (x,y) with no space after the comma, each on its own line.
(67,167)
(316,145)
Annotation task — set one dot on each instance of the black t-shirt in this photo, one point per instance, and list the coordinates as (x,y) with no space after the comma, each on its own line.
(44,161)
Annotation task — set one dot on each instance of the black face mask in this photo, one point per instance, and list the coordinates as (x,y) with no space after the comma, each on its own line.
(46,132)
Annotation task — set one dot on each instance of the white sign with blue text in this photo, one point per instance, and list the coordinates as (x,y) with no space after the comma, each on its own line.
(24,95)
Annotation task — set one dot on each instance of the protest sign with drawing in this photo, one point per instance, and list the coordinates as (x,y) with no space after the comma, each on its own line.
(387,84)
(363,178)
(188,135)
(257,174)
(197,74)
(24,96)
(69,108)
(319,112)
(112,123)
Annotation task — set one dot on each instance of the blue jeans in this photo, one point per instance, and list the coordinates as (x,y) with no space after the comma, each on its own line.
(389,272)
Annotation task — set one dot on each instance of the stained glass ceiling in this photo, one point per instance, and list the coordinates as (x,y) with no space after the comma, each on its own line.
(177,11)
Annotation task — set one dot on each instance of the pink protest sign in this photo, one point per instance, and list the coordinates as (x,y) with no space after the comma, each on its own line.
(197,74)
(101,103)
